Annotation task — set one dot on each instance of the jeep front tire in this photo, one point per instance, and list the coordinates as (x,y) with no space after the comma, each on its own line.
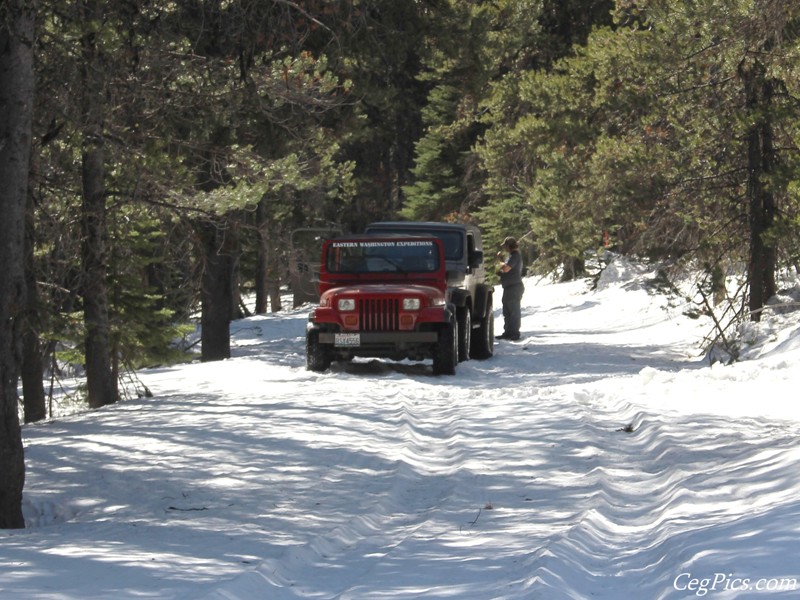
(318,356)
(445,359)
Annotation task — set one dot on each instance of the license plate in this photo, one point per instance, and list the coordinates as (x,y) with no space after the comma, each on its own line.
(347,339)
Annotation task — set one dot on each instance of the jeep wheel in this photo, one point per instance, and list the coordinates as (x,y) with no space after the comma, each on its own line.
(483,342)
(446,357)
(318,357)
(464,333)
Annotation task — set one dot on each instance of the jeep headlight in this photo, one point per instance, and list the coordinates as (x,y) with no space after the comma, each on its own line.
(346,304)
(411,303)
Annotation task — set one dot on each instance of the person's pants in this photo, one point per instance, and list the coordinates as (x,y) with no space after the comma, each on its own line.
(512,313)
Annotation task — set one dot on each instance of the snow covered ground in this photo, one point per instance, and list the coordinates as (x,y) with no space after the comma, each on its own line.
(599,457)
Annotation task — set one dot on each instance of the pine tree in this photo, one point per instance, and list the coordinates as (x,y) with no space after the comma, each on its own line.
(446,181)
(535,119)
(659,135)
(17,31)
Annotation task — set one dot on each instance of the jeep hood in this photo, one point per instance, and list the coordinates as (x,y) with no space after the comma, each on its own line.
(383,289)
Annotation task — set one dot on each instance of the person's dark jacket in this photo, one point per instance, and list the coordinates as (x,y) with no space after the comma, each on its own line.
(514,275)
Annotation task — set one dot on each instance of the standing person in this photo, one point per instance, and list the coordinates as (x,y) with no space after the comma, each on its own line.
(511,280)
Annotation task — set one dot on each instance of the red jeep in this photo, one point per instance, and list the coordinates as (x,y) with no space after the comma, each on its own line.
(383,296)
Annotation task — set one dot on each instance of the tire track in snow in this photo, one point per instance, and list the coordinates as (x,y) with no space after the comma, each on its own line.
(602,506)
(425,460)
(659,500)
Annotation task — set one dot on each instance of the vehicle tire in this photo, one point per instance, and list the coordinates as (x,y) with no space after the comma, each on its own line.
(318,357)
(464,333)
(446,357)
(483,340)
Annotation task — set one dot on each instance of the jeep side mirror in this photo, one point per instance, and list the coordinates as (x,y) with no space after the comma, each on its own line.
(475,259)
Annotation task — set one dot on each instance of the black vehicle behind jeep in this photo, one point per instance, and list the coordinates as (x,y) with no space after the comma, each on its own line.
(466,280)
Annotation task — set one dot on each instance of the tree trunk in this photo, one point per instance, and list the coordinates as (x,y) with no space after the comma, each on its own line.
(16,99)
(219,261)
(262,253)
(274,269)
(267,272)
(101,384)
(274,287)
(238,308)
(761,201)
(33,395)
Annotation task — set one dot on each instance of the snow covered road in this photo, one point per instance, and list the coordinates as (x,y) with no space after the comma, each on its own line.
(579,462)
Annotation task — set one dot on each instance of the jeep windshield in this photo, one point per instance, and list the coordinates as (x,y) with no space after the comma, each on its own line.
(452,240)
(382,256)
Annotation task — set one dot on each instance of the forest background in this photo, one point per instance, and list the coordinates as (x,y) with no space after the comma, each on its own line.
(156,156)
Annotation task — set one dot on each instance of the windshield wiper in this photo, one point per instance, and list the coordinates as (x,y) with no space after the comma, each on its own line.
(399,268)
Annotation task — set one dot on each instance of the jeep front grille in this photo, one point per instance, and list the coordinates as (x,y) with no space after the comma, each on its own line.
(379,314)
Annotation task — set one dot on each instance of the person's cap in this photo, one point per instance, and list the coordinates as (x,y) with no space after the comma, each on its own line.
(509,242)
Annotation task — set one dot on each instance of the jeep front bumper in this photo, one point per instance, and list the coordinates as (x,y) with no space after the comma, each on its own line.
(371,338)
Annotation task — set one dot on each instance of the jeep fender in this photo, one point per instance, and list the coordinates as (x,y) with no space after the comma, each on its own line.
(459,297)
(436,314)
(483,299)
(447,314)
(450,313)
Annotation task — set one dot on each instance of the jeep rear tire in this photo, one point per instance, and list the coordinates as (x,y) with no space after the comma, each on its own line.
(318,356)
(445,359)
(483,340)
